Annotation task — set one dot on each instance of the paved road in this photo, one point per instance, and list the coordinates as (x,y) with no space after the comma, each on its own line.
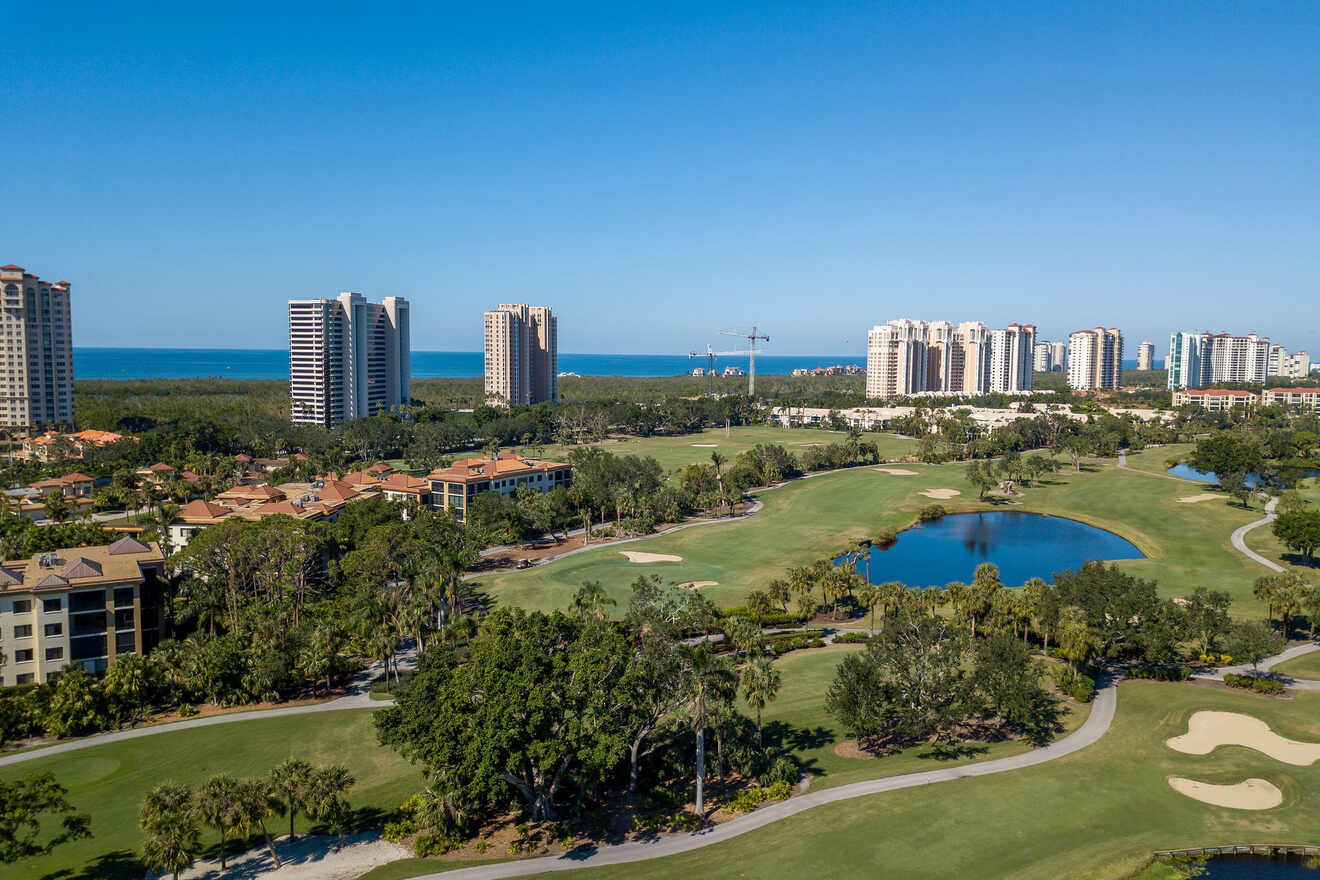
(1301,684)
(1241,532)
(357,697)
(1102,715)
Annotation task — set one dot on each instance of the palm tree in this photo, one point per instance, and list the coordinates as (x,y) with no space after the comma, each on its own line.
(326,802)
(591,600)
(168,818)
(258,799)
(718,461)
(707,682)
(1265,590)
(1075,639)
(760,682)
(219,805)
(292,780)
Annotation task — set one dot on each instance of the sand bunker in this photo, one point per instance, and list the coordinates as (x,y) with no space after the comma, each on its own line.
(897,472)
(706,445)
(696,585)
(1250,794)
(1207,730)
(1197,499)
(941,494)
(634,556)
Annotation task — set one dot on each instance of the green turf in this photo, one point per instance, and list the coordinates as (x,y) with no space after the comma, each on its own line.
(676,452)
(109,781)
(1098,813)
(1262,540)
(1187,544)
(1307,666)
(405,868)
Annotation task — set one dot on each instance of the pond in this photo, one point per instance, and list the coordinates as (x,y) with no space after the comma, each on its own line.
(1284,477)
(1023,545)
(1257,868)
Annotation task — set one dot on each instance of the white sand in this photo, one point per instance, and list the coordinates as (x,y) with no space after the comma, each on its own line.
(696,585)
(310,858)
(897,472)
(941,494)
(1250,794)
(635,556)
(706,445)
(1206,731)
(1197,499)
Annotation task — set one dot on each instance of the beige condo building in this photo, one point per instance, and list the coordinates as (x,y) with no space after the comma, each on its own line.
(906,357)
(1095,359)
(36,354)
(521,354)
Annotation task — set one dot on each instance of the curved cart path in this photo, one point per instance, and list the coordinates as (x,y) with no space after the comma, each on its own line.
(1241,532)
(590,856)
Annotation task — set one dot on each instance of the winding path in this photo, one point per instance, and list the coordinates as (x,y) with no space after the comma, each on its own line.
(590,856)
(1241,532)
(1300,684)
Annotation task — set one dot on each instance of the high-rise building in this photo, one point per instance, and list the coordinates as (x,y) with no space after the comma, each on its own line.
(1146,356)
(36,351)
(1095,359)
(1184,360)
(906,357)
(348,358)
(522,354)
(1011,351)
(1040,358)
(1058,356)
(1226,358)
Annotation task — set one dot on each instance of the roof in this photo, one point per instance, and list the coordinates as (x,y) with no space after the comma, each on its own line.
(117,563)
(404,483)
(12,267)
(1293,390)
(76,478)
(1220,392)
(159,467)
(506,465)
(127,544)
(199,510)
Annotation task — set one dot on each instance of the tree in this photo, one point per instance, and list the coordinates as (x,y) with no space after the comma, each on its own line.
(981,476)
(760,682)
(259,799)
(1206,617)
(1009,684)
(1253,641)
(292,780)
(591,600)
(58,508)
(1299,530)
(759,604)
(707,682)
(168,819)
(654,685)
(219,805)
(77,705)
(745,636)
(326,800)
(129,686)
(1075,639)
(1231,456)
(32,806)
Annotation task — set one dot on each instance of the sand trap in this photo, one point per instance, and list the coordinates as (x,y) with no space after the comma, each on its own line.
(1250,794)
(634,556)
(897,472)
(1206,731)
(696,585)
(941,494)
(706,445)
(1197,499)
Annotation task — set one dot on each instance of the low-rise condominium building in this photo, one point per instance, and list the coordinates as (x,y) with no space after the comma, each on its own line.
(454,487)
(1215,399)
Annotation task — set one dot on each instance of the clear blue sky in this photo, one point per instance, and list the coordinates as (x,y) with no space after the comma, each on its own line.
(656,172)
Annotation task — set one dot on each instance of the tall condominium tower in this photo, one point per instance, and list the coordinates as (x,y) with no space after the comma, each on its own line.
(1095,359)
(1226,358)
(1146,356)
(1184,360)
(1040,358)
(36,344)
(522,354)
(896,358)
(348,358)
(1011,353)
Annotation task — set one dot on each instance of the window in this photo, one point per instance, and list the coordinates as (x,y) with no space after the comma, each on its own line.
(55,653)
(54,629)
(23,632)
(49,605)
(124,597)
(24,678)
(125,643)
(23,656)
(22,606)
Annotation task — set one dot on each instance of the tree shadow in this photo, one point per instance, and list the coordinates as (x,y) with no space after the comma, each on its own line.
(118,865)
(781,736)
(941,751)
(1300,561)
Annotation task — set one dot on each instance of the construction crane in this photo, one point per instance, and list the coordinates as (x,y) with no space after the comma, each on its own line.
(710,368)
(750,351)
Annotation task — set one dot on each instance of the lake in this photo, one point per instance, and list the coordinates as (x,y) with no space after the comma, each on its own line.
(1023,545)
(1258,868)
(1283,477)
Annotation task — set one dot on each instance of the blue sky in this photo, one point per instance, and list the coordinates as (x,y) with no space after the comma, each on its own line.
(657,172)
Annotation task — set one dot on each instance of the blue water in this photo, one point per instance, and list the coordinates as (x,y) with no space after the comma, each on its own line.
(1023,545)
(1284,478)
(252,363)
(1260,868)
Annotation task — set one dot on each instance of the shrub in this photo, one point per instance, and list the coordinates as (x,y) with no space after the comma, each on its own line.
(1077,685)
(1256,683)
(849,638)
(932,512)
(1157,672)
(186,710)
(750,798)
(429,843)
(397,832)
(1215,659)
(885,538)
(785,642)
(685,821)
(784,770)
(778,791)
(774,619)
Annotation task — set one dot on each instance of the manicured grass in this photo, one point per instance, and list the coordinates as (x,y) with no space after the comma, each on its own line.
(1097,813)
(109,781)
(1262,540)
(1187,545)
(1307,666)
(405,868)
(675,452)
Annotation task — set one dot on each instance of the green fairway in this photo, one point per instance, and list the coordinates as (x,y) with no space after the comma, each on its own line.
(1187,544)
(1097,813)
(676,452)
(1303,667)
(1262,540)
(109,781)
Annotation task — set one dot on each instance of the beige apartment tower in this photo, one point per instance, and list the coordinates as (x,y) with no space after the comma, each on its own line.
(1095,359)
(1146,356)
(36,339)
(521,354)
(348,358)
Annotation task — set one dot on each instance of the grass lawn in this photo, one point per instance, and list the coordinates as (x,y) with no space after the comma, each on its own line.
(676,452)
(1303,667)
(1098,813)
(1187,545)
(1262,540)
(405,868)
(109,781)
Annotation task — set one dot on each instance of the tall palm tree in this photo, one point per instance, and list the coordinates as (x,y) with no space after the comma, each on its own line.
(168,820)
(292,779)
(219,805)
(258,800)
(327,802)
(760,682)
(706,682)
(591,600)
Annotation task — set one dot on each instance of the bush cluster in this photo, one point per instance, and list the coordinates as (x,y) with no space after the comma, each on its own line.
(1158,672)
(750,798)
(1078,685)
(1256,683)
(851,638)
(785,642)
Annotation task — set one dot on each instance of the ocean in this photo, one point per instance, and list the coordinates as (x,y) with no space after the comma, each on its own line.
(253,363)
